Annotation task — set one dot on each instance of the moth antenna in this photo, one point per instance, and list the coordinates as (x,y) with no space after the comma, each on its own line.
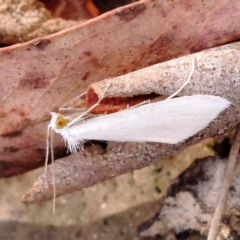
(47,147)
(63,107)
(53,173)
(188,81)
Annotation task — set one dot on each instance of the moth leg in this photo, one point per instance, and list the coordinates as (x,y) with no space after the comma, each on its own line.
(64,106)
(79,118)
(139,104)
(174,94)
(184,85)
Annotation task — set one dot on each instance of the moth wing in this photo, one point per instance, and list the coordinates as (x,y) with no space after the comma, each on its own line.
(170,121)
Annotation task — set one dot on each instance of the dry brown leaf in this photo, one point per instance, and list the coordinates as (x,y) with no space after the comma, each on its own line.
(41,75)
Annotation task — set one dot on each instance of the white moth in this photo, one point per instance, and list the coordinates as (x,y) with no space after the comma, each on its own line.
(170,121)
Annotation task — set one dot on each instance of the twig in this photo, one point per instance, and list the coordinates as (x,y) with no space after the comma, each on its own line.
(231,166)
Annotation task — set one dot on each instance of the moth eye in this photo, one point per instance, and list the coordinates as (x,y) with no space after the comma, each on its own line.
(61,122)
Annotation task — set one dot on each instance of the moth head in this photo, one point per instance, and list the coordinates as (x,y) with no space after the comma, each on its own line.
(58,121)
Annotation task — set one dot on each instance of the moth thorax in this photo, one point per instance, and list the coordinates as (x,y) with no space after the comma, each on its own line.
(61,122)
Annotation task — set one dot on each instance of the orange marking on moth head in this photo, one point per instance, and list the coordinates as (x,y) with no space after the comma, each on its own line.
(61,122)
